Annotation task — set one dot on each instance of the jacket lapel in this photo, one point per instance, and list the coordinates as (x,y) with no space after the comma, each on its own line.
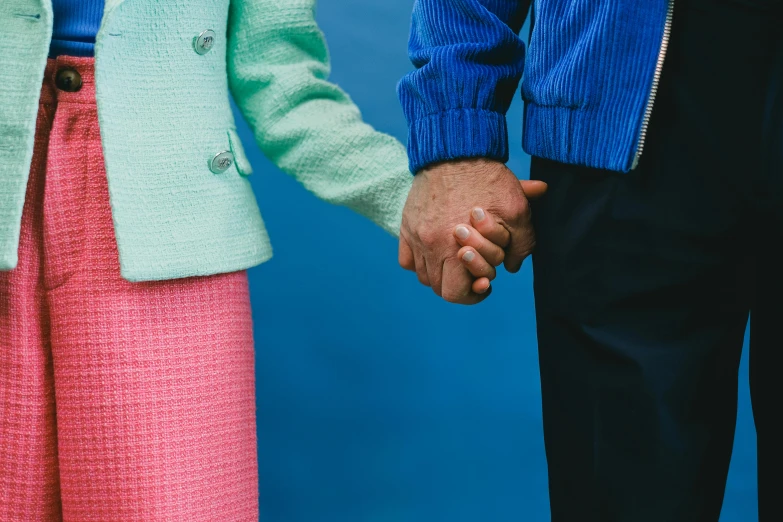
(110,6)
(35,6)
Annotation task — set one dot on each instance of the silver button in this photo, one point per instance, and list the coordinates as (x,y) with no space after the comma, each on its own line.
(221,162)
(204,42)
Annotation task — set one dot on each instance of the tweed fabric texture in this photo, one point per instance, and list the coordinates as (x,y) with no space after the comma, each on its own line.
(24,59)
(164,113)
(118,401)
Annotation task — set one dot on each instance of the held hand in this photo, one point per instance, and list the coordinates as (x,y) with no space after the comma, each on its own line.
(484,236)
(437,203)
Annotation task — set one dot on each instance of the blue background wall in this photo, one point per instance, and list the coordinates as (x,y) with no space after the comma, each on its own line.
(377,401)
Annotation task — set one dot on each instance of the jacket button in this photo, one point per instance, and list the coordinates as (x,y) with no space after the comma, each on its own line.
(203,43)
(68,80)
(221,162)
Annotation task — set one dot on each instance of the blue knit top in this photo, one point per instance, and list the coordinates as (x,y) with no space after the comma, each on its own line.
(76,23)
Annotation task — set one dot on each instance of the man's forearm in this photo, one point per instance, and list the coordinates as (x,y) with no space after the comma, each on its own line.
(469,60)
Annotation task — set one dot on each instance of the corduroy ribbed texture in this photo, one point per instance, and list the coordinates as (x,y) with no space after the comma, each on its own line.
(587,79)
(76,24)
(468,59)
(164,112)
(153,382)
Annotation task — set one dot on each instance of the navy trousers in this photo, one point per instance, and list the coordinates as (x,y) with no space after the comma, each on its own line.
(645,281)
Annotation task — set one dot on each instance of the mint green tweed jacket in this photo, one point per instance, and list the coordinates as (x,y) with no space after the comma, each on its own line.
(164,114)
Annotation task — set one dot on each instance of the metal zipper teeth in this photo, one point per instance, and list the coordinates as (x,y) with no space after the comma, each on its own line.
(667,31)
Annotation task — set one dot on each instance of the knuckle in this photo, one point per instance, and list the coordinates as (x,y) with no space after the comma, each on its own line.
(452,296)
(527,248)
(497,258)
(449,297)
(525,239)
(482,270)
(520,208)
(523,206)
(428,237)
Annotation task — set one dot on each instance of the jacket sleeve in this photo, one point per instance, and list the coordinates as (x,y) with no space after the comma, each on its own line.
(278,68)
(469,60)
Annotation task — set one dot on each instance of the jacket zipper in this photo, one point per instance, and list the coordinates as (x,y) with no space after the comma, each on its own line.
(667,31)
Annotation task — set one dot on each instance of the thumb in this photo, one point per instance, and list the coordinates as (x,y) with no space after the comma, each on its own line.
(533,188)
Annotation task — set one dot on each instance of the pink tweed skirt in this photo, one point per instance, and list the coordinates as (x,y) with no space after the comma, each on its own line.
(118,401)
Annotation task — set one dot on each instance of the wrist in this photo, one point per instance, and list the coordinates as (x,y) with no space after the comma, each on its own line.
(467,167)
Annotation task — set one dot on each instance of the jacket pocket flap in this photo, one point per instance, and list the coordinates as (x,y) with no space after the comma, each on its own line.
(240,158)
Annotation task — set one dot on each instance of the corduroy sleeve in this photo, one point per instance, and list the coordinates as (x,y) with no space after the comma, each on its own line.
(469,60)
(278,68)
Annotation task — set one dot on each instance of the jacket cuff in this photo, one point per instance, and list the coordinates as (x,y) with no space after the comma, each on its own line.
(456,134)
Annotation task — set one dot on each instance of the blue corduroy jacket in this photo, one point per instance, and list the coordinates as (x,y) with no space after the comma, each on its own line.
(589,84)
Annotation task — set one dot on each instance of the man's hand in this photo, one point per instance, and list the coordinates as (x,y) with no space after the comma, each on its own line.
(439,201)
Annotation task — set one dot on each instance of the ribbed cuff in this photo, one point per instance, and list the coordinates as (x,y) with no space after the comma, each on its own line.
(455,134)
